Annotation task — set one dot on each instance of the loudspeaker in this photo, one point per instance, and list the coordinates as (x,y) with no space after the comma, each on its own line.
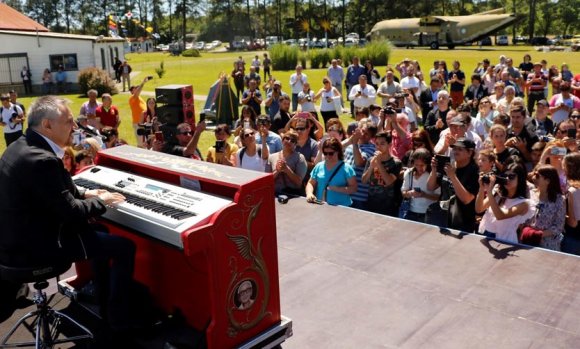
(174,94)
(173,114)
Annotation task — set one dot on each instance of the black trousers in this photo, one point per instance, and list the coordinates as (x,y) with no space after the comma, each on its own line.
(533,98)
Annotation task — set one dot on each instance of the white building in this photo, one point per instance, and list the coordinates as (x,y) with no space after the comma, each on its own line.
(26,43)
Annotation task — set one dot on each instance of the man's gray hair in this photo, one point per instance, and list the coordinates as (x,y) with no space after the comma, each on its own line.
(93,91)
(46,107)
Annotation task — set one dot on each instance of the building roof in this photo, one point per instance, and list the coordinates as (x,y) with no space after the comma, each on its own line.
(63,36)
(14,20)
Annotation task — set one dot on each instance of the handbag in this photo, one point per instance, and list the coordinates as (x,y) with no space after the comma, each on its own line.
(330,180)
(406,203)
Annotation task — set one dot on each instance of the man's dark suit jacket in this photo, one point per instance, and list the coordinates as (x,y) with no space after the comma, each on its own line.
(424,98)
(42,214)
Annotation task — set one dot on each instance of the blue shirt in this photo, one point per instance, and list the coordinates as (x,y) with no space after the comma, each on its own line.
(340,179)
(352,74)
(275,105)
(273,141)
(367,151)
(336,75)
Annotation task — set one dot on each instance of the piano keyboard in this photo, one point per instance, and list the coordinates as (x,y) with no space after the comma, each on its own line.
(160,210)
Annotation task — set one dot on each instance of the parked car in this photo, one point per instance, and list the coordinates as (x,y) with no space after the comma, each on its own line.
(216,43)
(349,42)
(200,45)
(539,41)
(238,45)
(486,41)
(520,40)
(291,42)
(502,40)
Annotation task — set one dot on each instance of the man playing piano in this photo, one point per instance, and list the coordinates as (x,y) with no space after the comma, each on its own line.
(45,218)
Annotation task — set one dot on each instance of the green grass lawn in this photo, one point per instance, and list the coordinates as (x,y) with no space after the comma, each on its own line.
(202,72)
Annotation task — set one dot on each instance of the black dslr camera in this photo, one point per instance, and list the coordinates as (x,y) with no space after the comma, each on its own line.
(388,110)
(498,179)
(145,129)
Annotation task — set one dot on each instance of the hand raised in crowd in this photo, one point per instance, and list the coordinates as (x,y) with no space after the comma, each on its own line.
(439,123)
(356,135)
(200,127)
(281,165)
(449,139)
(516,142)
(450,170)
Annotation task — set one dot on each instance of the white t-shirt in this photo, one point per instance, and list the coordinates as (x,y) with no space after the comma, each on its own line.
(249,162)
(297,82)
(7,115)
(360,101)
(325,105)
(418,205)
(505,229)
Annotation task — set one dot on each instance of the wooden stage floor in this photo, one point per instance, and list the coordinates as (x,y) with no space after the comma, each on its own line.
(351,279)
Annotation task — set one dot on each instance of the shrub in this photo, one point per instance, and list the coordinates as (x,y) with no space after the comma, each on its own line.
(160,70)
(97,79)
(303,56)
(378,52)
(319,58)
(284,57)
(191,53)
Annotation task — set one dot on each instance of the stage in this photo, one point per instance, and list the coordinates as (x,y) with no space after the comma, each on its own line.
(351,279)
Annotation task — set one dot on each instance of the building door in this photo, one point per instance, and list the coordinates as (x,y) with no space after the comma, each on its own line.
(10,67)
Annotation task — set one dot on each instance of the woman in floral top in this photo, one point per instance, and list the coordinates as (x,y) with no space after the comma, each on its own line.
(551,211)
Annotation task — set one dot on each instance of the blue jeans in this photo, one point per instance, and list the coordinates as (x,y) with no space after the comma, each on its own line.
(294,101)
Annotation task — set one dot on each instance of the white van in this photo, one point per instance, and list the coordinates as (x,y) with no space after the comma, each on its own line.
(502,40)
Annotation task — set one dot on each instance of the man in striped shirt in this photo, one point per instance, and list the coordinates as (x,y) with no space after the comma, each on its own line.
(537,81)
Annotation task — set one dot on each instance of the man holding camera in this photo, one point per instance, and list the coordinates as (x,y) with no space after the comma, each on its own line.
(363,94)
(273,99)
(457,129)
(459,184)
(521,136)
(12,118)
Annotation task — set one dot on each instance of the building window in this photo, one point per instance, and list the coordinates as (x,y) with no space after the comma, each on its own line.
(68,61)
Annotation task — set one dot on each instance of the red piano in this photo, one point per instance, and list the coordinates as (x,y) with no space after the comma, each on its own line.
(206,241)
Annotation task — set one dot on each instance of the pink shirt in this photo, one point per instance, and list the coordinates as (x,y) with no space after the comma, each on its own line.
(400,145)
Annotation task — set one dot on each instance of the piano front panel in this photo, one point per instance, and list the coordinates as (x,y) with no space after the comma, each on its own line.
(235,247)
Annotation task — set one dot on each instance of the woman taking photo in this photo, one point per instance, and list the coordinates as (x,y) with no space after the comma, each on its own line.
(331,180)
(553,154)
(550,212)
(380,174)
(571,242)
(327,96)
(414,186)
(222,151)
(506,207)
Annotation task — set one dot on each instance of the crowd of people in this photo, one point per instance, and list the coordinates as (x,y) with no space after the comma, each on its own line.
(488,151)
(493,154)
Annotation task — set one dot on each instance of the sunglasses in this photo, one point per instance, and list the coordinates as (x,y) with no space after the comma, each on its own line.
(292,140)
(326,82)
(246,135)
(300,129)
(511,176)
(328,153)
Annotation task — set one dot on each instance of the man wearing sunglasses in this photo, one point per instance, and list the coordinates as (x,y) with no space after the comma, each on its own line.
(184,143)
(288,166)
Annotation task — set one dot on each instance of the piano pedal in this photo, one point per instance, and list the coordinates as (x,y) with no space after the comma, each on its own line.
(85,297)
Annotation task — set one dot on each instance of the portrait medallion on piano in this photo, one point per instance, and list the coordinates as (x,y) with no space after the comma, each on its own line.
(249,291)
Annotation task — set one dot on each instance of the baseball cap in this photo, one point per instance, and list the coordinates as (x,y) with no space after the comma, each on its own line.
(463,143)
(277,82)
(457,120)
(543,102)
